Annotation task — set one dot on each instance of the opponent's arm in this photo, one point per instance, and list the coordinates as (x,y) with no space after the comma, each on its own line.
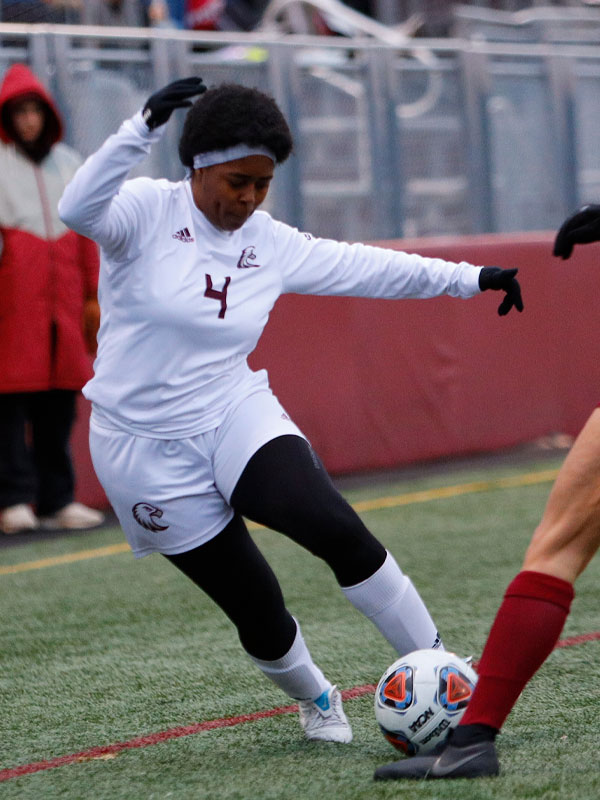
(582,227)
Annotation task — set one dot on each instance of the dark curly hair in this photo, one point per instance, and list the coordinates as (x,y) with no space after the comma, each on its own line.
(232,114)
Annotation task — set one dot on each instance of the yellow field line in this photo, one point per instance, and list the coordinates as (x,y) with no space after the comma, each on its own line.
(67,558)
(423,496)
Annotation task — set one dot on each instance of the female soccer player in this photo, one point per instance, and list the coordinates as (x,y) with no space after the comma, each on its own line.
(537,602)
(185,438)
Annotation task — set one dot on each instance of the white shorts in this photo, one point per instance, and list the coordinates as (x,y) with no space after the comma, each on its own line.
(172,495)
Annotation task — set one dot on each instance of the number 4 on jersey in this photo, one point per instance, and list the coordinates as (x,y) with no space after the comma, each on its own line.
(215,294)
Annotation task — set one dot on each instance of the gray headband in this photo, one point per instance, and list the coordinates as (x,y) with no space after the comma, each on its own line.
(213,157)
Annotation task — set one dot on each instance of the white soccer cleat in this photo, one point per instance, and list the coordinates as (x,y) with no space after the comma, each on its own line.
(18,518)
(74,517)
(323,719)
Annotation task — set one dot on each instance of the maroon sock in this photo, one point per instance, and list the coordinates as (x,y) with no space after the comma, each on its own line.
(524,633)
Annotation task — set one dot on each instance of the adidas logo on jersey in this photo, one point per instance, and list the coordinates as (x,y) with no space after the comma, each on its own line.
(183,235)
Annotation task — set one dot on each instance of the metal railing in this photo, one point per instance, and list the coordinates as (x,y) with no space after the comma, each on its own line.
(423,137)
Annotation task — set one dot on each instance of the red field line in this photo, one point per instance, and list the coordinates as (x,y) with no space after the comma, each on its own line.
(163,736)
(581,639)
(110,750)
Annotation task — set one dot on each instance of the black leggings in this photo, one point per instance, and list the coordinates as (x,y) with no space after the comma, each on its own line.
(234,573)
(286,488)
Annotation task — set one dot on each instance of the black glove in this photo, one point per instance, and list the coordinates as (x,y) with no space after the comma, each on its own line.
(161,104)
(504,279)
(582,227)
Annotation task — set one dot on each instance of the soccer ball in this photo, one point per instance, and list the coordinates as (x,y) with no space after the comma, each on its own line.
(420,697)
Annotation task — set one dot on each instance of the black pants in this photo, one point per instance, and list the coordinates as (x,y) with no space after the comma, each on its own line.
(35,459)
(285,487)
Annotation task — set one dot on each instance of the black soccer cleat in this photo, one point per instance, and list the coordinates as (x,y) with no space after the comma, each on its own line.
(473,761)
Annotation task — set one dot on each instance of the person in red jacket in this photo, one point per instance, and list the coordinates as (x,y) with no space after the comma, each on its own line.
(48,313)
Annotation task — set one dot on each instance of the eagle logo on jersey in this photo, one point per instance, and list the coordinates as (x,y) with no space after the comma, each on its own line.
(248,255)
(147,515)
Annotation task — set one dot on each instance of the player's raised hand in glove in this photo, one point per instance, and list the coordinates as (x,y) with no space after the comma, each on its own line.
(504,280)
(582,227)
(161,104)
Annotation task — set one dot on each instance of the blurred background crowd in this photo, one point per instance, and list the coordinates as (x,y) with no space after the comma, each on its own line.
(241,15)
(183,14)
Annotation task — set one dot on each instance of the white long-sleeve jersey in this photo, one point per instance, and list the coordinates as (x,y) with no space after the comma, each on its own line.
(184,304)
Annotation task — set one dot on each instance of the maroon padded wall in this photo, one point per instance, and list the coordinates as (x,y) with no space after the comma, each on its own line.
(376,384)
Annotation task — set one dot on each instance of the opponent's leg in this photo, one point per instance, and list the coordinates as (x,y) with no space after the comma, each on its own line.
(568,535)
(537,602)
(531,617)
(524,633)
(285,487)
(234,573)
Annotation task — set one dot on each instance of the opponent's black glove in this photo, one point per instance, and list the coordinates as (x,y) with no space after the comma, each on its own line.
(582,227)
(504,279)
(161,104)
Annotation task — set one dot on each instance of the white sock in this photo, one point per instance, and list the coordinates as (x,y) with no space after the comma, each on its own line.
(295,672)
(389,599)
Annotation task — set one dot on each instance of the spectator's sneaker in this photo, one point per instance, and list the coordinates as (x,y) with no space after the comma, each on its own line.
(323,719)
(473,761)
(74,517)
(15,519)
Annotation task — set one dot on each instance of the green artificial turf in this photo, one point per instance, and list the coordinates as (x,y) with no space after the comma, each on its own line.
(107,649)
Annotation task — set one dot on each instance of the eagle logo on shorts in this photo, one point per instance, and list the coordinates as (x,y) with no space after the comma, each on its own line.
(147,515)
